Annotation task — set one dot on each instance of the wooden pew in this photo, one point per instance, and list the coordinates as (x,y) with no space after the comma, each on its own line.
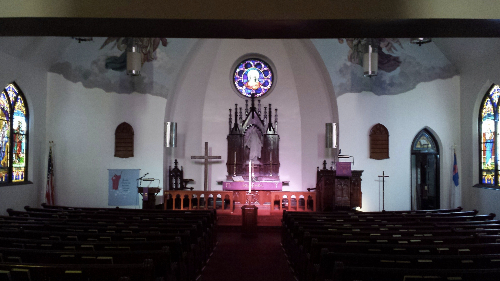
(77,272)
(350,273)
(304,234)
(160,258)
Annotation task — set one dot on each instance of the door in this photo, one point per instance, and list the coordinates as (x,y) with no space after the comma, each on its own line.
(425,172)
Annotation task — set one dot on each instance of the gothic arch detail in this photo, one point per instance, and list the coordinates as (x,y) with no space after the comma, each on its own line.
(124,141)
(379,142)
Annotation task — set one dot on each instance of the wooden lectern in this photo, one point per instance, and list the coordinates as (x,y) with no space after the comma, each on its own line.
(149,198)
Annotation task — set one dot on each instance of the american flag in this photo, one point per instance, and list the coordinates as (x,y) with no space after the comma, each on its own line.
(49,192)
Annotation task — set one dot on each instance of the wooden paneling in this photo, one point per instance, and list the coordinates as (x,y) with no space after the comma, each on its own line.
(124,141)
(379,142)
(338,192)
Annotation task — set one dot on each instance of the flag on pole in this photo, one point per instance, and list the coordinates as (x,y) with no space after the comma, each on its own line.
(455,169)
(49,192)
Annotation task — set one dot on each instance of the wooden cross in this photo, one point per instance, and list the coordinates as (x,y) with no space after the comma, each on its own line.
(383,176)
(206,158)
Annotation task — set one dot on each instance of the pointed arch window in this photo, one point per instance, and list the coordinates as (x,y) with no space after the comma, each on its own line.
(13,135)
(488,138)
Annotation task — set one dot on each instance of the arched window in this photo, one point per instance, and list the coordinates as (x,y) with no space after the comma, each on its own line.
(13,135)
(488,134)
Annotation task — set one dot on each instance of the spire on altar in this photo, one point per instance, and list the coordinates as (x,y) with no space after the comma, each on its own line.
(253,136)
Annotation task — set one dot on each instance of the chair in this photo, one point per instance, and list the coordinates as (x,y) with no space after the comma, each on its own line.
(176,179)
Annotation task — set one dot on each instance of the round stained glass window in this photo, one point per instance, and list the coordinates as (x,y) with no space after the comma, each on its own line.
(253,76)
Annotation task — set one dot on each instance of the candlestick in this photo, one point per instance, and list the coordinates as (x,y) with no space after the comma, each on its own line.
(250,176)
(271,164)
(234,169)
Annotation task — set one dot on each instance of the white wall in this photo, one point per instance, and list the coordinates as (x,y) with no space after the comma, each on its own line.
(478,71)
(82,124)
(434,105)
(32,80)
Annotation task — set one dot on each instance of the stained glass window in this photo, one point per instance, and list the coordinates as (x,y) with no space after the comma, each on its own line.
(488,135)
(253,76)
(424,142)
(13,135)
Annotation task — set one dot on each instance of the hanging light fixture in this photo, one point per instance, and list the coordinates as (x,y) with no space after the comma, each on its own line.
(331,135)
(420,41)
(370,60)
(170,134)
(134,59)
(83,39)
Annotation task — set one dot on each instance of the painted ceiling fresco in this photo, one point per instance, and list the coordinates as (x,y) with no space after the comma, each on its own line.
(402,66)
(102,63)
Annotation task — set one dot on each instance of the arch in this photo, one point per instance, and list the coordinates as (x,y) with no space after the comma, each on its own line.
(425,171)
(124,141)
(487,128)
(14,134)
(379,142)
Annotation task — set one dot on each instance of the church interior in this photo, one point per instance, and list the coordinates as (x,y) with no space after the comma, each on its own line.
(72,65)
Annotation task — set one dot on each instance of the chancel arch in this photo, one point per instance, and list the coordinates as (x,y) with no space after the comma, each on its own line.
(303,95)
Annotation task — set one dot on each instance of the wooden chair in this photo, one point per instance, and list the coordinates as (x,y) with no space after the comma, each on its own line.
(176,179)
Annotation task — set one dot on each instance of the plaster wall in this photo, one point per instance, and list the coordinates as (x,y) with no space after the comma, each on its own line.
(434,105)
(479,70)
(301,95)
(32,80)
(82,125)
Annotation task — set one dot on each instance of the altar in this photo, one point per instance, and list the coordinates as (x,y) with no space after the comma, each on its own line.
(253,150)
(258,185)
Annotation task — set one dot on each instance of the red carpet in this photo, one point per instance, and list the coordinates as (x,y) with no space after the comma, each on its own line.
(248,258)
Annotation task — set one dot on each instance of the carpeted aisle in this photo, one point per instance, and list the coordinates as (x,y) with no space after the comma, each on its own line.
(248,259)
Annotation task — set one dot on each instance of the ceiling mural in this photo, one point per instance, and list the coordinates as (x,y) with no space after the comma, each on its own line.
(101,64)
(401,65)
(146,46)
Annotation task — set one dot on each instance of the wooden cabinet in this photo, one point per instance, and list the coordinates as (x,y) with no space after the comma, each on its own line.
(338,192)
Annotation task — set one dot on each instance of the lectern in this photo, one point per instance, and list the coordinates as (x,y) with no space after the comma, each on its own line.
(148,196)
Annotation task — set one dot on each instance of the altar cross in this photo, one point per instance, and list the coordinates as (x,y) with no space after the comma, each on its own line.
(383,176)
(206,158)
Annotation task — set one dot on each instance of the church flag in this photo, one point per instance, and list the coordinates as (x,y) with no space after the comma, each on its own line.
(455,169)
(49,192)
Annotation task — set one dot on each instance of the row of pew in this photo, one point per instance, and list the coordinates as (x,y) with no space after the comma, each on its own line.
(68,243)
(446,244)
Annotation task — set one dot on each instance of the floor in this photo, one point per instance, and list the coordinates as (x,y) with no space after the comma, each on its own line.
(248,258)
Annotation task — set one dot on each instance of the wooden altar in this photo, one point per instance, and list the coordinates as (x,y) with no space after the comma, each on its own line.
(338,192)
(253,136)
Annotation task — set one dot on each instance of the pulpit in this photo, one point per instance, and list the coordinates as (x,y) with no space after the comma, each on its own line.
(148,196)
(338,189)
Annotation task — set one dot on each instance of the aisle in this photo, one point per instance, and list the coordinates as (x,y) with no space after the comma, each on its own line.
(248,259)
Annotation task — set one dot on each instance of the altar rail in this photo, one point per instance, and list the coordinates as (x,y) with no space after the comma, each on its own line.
(309,203)
(218,200)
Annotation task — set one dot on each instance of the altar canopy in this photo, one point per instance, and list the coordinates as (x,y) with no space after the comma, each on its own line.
(253,136)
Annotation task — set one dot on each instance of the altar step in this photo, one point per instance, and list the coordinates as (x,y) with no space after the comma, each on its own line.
(236,220)
(265,216)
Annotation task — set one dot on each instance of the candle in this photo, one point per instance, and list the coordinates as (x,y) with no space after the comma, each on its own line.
(234,169)
(250,176)
(271,164)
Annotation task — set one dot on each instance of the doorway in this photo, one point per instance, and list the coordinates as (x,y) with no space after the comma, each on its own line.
(425,172)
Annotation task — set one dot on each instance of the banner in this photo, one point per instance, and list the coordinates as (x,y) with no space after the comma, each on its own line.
(122,187)
(49,188)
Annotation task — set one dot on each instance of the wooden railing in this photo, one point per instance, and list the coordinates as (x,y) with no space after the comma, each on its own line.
(199,200)
(309,203)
